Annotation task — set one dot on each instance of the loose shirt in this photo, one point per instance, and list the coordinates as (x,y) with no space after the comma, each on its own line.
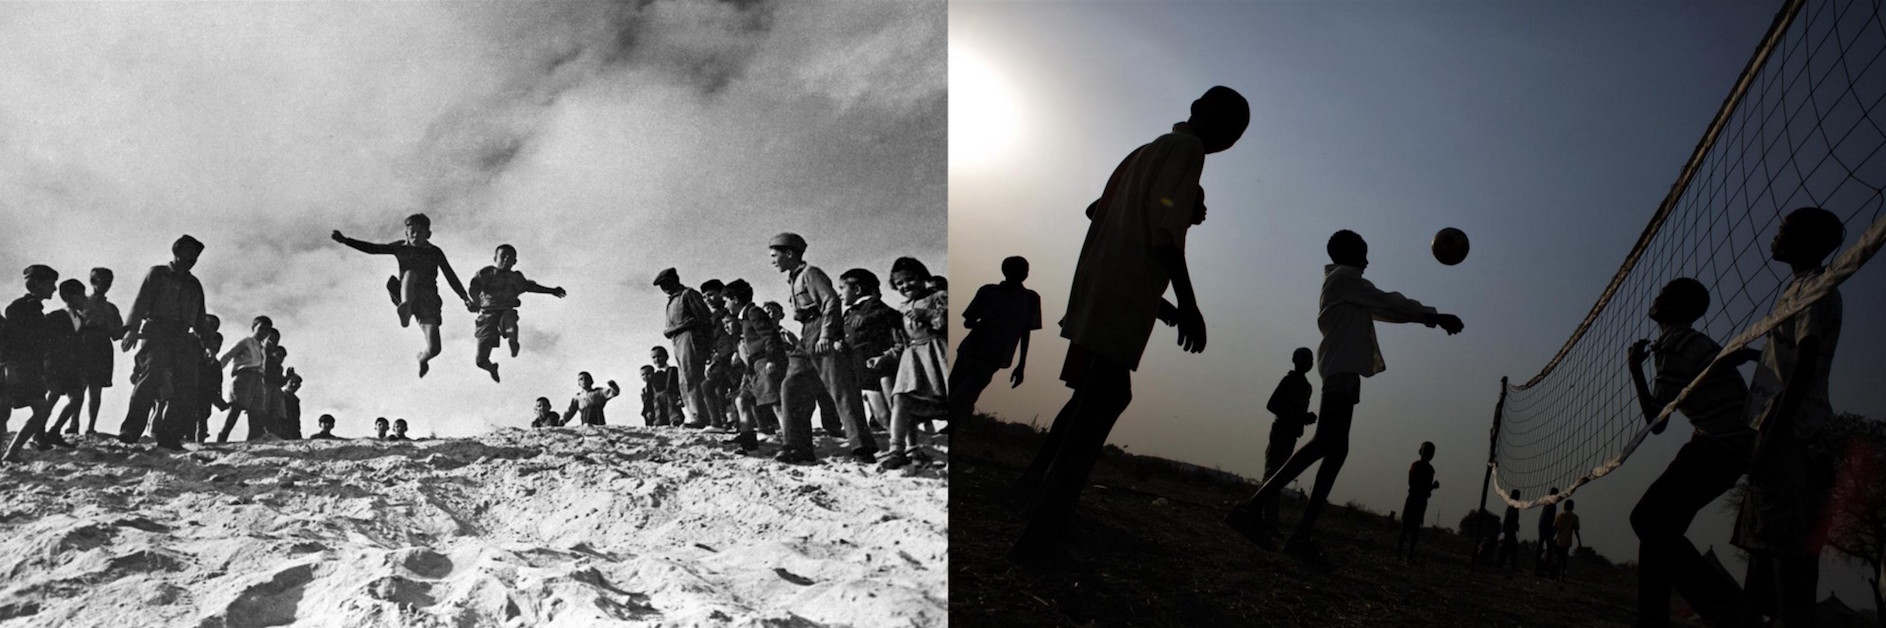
(1717,406)
(169,296)
(1346,314)
(1002,314)
(1782,351)
(1118,283)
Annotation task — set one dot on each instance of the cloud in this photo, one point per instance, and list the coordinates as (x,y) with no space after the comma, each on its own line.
(604,140)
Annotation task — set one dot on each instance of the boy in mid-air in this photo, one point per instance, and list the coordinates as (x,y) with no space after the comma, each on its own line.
(416,290)
(1789,408)
(1421,485)
(1347,310)
(1706,467)
(1134,250)
(495,291)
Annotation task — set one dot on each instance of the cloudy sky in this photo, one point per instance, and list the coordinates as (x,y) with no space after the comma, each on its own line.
(1548,132)
(605,141)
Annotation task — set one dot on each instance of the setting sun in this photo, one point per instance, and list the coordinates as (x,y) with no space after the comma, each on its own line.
(983,117)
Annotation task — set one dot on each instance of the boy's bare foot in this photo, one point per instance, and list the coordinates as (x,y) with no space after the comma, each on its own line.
(491,368)
(513,346)
(424,365)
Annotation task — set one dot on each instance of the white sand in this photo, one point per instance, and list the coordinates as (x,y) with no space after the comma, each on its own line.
(562,527)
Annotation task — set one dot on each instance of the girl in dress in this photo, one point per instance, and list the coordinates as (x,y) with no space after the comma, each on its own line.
(920,392)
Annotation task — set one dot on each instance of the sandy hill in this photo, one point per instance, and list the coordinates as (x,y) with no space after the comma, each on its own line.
(1152,551)
(561,527)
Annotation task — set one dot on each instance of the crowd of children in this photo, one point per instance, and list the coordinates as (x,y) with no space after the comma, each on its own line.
(865,367)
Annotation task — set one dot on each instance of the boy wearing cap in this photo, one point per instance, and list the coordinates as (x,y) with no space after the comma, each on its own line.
(822,354)
(690,329)
(104,326)
(495,290)
(166,315)
(416,289)
(1134,249)
(23,348)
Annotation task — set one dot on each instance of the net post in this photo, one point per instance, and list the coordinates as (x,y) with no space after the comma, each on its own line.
(1493,451)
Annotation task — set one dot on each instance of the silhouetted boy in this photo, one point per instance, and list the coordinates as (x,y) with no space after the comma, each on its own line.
(1789,408)
(416,289)
(1348,308)
(65,358)
(1421,484)
(1000,318)
(23,352)
(104,327)
(1290,404)
(1509,543)
(1706,467)
(1134,249)
(168,317)
(1565,529)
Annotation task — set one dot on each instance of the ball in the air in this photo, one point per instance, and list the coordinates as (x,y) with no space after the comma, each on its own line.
(1450,246)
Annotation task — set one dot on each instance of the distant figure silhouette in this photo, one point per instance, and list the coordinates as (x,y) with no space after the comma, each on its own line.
(1790,476)
(1347,310)
(65,354)
(1706,467)
(1565,529)
(494,294)
(1290,404)
(1000,318)
(168,316)
(415,291)
(1542,556)
(1509,540)
(1421,484)
(1135,247)
(104,327)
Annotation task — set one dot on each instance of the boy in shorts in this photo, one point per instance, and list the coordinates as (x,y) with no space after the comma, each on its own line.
(415,291)
(495,291)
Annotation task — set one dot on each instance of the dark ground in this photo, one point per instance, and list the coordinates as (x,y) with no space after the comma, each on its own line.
(1174,564)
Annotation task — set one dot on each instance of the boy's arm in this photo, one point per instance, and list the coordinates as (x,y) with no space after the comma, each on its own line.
(445,268)
(140,307)
(532,286)
(613,391)
(1279,402)
(369,248)
(1646,400)
(476,288)
(1191,322)
(972,315)
(831,317)
(1021,362)
(1392,307)
(570,413)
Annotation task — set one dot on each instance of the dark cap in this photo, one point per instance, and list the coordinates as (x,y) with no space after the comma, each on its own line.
(186,242)
(38,272)
(666,275)
(788,240)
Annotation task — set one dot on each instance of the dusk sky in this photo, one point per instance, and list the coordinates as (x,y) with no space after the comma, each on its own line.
(606,141)
(1549,133)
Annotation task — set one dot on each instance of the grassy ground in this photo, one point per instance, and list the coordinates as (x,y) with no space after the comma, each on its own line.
(1154,553)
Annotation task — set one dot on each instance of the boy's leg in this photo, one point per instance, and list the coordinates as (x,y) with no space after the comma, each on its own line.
(841,380)
(1050,446)
(1702,471)
(1316,449)
(34,425)
(95,392)
(1104,393)
(1332,436)
(484,361)
(969,376)
(1279,450)
(431,331)
(508,328)
(229,423)
(797,396)
(395,290)
(75,402)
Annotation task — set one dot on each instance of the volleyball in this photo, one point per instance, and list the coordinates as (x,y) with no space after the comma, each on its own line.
(1450,246)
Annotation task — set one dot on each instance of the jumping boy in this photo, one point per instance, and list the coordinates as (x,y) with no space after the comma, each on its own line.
(1347,310)
(104,327)
(495,290)
(1788,407)
(1716,455)
(1290,404)
(23,351)
(416,289)
(1421,484)
(1134,249)
(1000,318)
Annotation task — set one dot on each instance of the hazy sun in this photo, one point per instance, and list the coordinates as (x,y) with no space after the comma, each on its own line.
(983,119)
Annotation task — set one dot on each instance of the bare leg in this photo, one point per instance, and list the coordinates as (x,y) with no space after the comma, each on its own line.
(75,401)
(432,347)
(33,427)
(229,424)
(879,407)
(92,428)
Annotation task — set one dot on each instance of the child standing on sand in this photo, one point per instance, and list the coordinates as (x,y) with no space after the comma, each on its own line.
(921,390)
(416,290)
(104,327)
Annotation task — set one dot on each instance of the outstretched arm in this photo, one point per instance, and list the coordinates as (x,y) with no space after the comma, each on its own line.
(532,286)
(363,246)
(613,391)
